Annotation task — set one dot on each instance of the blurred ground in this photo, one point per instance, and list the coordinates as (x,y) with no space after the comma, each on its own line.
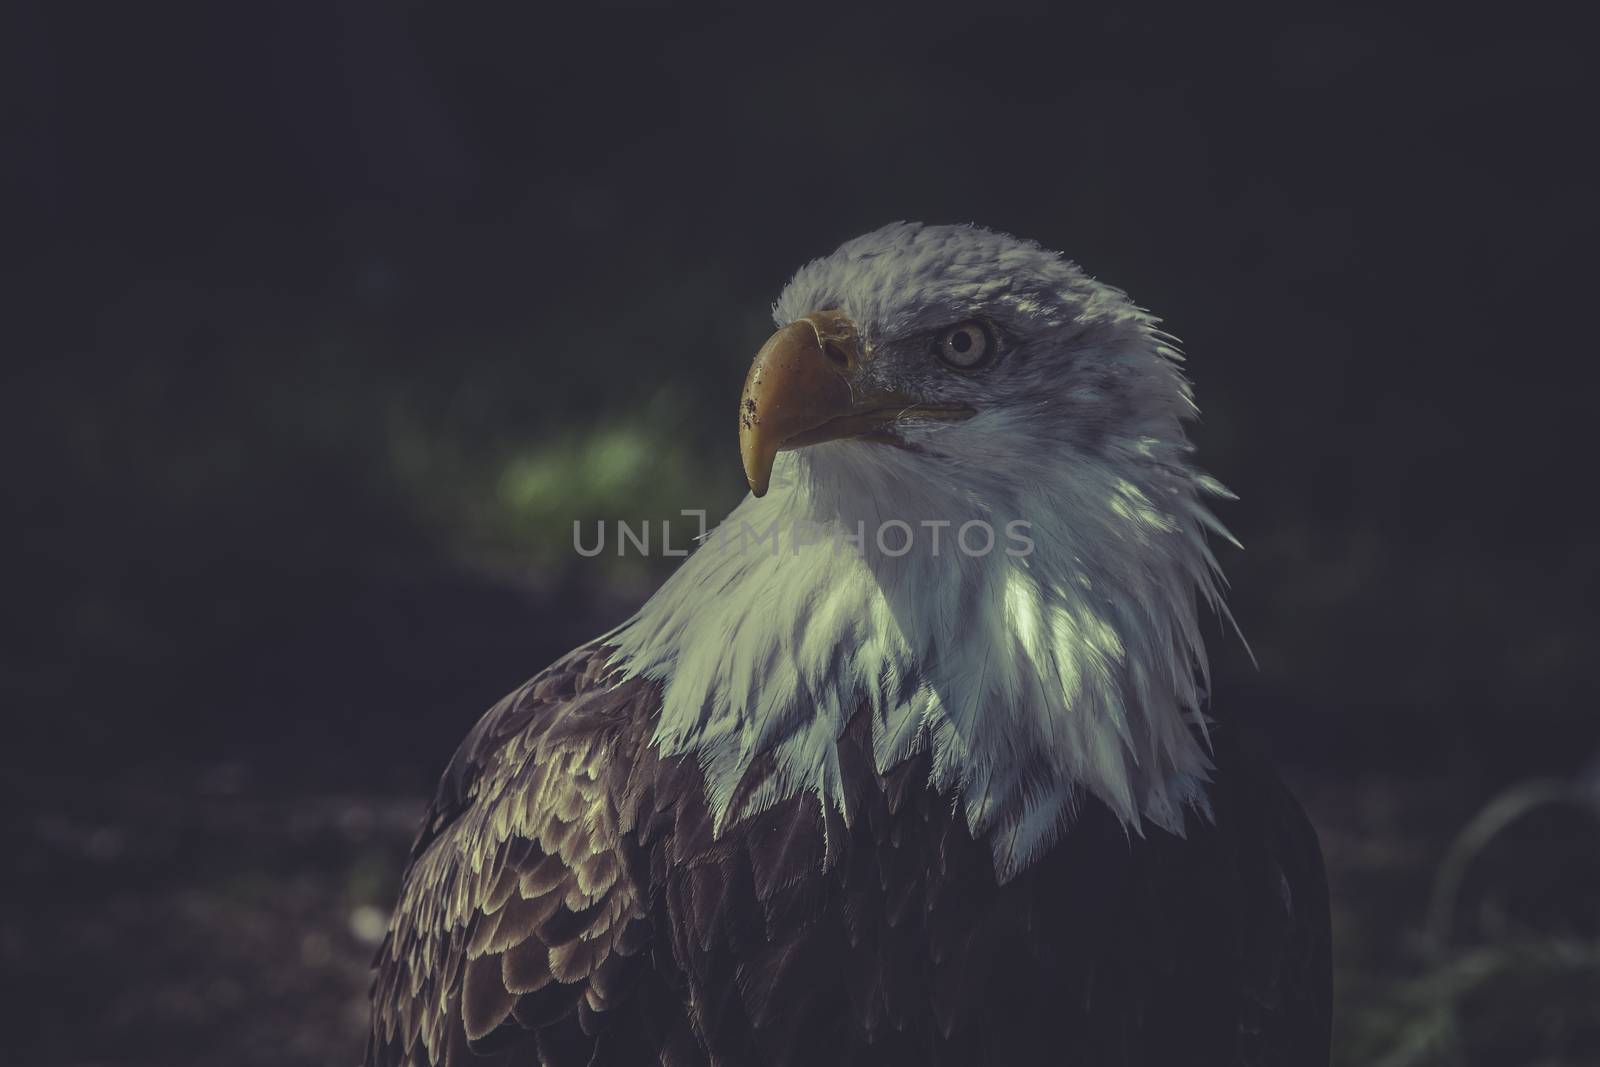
(227,922)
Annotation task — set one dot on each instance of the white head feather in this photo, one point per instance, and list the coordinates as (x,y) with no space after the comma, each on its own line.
(1032,678)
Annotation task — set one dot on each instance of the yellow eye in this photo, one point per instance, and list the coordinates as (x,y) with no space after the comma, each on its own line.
(966,345)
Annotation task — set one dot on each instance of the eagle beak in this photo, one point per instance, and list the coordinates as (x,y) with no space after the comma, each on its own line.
(803,389)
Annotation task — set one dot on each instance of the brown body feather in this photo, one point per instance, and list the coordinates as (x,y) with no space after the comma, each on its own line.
(567,903)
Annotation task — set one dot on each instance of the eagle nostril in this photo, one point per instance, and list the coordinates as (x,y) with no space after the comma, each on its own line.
(837,338)
(837,356)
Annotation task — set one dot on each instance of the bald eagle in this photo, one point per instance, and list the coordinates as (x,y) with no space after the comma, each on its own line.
(913,769)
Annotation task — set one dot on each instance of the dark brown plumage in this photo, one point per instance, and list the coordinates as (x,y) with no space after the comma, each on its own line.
(567,903)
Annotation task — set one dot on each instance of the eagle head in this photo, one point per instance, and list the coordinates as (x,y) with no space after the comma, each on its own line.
(992,359)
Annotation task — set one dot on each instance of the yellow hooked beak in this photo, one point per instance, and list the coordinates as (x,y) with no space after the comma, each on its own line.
(803,389)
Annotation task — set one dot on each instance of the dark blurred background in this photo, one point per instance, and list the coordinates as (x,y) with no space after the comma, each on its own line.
(328,320)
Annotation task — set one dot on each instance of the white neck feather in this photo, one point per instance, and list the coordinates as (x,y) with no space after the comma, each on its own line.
(1030,678)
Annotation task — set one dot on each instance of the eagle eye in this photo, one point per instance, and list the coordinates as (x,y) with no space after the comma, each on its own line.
(966,345)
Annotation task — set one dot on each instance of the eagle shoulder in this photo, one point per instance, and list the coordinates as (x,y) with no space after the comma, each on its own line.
(519,926)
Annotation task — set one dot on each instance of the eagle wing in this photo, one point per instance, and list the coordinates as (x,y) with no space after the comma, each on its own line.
(519,922)
(566,902)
